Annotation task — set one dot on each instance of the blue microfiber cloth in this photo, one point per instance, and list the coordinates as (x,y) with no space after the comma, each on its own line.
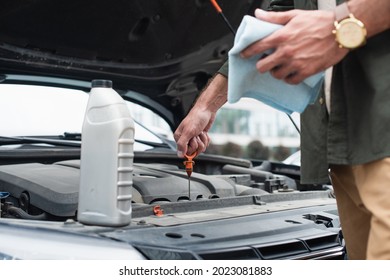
(245,81)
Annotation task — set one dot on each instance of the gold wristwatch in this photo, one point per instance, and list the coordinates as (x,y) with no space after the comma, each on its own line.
(350,32)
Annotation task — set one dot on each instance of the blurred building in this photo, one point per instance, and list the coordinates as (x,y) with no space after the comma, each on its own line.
(250,120)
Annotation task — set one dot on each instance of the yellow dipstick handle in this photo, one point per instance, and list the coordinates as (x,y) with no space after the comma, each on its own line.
(189,163)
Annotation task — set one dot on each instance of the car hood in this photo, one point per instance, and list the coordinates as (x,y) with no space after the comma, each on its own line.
(165,50)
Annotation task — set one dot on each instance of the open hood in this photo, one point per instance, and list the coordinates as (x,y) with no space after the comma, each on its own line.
(165,50)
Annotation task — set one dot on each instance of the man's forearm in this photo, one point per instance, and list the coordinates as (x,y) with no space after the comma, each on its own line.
(215,94)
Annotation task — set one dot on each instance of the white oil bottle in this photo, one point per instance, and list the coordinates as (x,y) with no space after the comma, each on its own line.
(106,169)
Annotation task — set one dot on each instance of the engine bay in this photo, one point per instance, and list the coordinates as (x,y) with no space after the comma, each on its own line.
(49,191)
(236,209)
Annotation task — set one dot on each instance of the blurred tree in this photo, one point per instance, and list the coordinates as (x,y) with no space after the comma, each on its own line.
(232,150)
(256,150)
(280,153)
(213,149)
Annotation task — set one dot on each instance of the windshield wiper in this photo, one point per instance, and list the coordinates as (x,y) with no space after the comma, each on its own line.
(77,136)
(5,140)
(153,144)
(72,136)
(68,139)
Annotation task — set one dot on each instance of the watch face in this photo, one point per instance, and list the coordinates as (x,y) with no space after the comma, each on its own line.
(351,34)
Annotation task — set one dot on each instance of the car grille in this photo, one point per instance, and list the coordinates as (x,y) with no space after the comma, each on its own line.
(321,247)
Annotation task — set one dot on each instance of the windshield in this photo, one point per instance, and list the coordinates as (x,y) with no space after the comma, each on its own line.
(29,110)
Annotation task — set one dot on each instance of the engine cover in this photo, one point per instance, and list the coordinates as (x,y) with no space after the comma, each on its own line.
(54,188)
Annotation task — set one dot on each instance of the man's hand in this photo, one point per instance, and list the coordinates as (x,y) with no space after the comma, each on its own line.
(192,134)
(303,47)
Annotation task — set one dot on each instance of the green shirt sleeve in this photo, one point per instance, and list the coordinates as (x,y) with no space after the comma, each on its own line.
(224,70)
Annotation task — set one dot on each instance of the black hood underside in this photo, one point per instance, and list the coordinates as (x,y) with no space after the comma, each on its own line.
(165,49)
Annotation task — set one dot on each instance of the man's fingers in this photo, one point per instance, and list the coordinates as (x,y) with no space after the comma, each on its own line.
(196,144)
(177,134)
(192,146)
(268,63)
(294,78)
(281,18)
(201,146)
(273,40)
(182,141)
(205,139)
